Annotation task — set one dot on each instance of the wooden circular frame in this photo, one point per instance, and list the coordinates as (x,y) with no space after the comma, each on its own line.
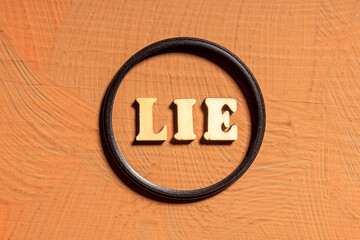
(177,44)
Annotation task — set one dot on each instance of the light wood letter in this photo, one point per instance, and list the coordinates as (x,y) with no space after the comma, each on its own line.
(218,117)
(146,122)
(185,123)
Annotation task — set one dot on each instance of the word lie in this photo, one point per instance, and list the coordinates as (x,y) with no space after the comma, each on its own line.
(217,117)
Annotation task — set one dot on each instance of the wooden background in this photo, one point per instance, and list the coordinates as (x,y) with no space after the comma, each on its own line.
(57,58)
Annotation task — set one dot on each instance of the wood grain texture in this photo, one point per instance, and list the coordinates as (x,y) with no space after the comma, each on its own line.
(57,58)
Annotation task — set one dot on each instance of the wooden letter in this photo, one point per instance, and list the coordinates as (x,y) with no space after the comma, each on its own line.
(218,117)
(146,122)
(185,124)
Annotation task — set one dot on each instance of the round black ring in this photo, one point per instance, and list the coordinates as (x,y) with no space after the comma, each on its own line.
(158,48)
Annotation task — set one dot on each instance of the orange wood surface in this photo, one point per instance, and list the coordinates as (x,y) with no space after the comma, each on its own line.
(57,59)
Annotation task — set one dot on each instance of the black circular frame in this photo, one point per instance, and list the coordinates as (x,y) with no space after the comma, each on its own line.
(177,45)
